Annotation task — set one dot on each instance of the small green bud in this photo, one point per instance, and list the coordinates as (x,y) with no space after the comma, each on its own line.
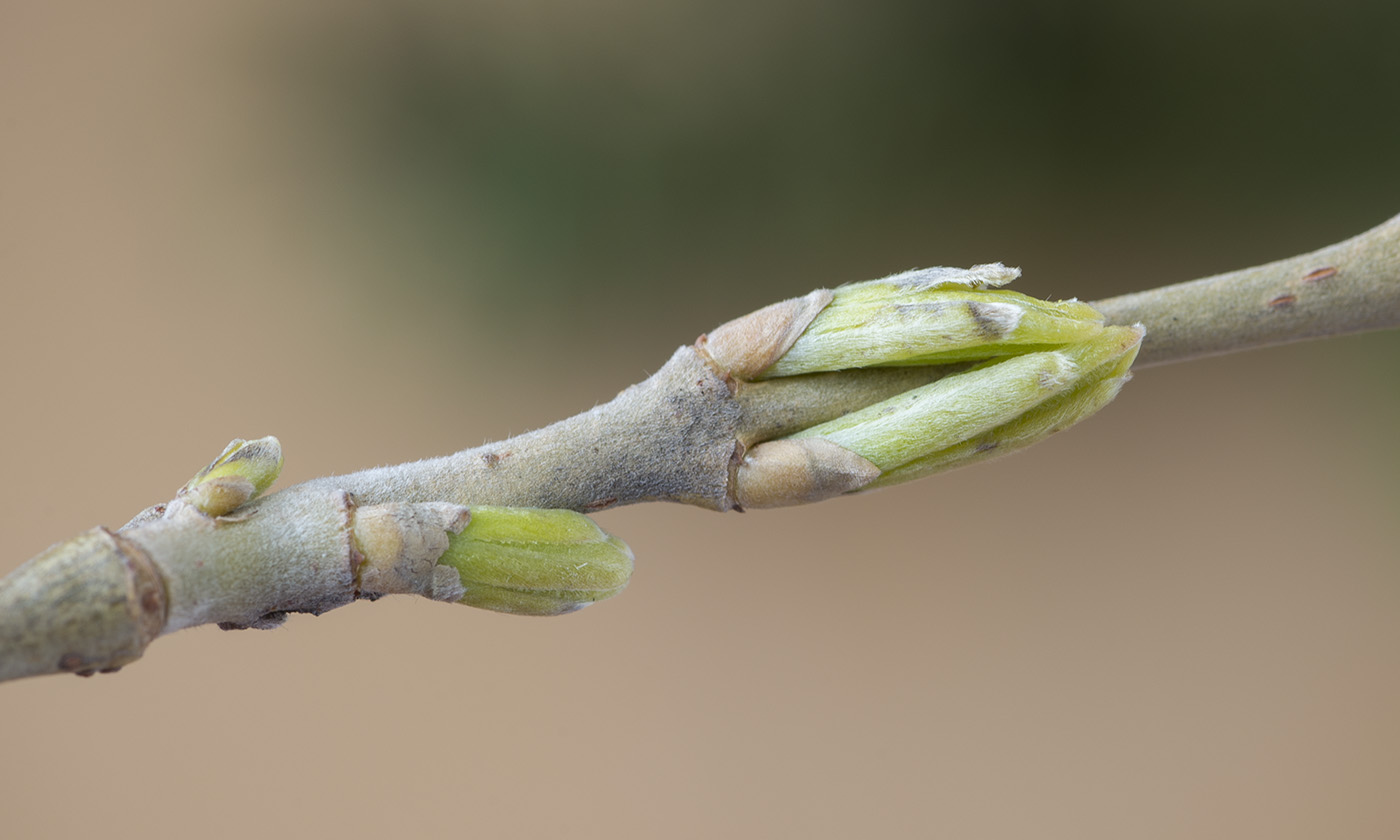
(933,316)
(242,472)
(531,561)
(893,432)
(1054,415)
(1096,389)
(1000,405)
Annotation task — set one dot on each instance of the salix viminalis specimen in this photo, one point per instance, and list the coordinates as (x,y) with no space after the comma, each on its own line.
(836,392)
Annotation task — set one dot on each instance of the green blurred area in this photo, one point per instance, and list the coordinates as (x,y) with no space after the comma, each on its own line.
(586,160)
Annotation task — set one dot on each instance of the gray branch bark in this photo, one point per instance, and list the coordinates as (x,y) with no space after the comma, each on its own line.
(94,602)
(1349,287)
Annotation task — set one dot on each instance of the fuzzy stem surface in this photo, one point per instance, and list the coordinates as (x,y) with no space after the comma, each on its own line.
(94,602)
(1350,287)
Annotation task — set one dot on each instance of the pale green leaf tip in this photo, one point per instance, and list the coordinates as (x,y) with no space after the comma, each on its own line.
(993,408)
(241,473)
(531,561)
(932,316)
(1094,392)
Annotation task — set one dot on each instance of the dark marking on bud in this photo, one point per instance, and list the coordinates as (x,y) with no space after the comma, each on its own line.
(988,325)
(1317,275)
(244,453)
(1283,302)
(987,446)
(601,504)
(71,662)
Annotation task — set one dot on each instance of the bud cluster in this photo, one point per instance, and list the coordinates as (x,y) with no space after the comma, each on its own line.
(1020,369)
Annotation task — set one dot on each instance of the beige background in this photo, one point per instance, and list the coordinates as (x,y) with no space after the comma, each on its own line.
(1181,620)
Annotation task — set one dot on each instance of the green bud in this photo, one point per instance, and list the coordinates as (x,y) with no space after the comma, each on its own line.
(1096,389)
(891,433)
(242,472)
(531,561)
(1000,405)
(933,316)
(1054,415)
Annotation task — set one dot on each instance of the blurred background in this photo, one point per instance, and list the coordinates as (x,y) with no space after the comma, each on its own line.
(389,230)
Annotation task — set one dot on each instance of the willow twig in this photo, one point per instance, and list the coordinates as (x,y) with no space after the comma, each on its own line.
(1350,287)
(810,398)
